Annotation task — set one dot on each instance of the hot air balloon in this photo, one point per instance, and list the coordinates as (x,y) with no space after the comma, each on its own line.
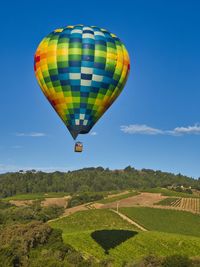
(81,70)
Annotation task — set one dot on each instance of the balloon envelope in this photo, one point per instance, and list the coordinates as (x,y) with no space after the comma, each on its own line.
(81,70)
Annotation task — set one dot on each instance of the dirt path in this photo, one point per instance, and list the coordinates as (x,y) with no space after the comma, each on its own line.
(124,217)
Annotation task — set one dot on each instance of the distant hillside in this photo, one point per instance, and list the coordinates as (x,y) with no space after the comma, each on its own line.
(91,179)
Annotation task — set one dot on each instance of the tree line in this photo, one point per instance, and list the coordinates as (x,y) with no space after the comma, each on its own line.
(89,180)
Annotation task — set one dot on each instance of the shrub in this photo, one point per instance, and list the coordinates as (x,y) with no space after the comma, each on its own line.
(177,261)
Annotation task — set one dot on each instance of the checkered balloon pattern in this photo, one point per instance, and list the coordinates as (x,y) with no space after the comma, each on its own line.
(81,70)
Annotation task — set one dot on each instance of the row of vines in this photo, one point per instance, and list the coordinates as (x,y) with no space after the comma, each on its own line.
(190,204)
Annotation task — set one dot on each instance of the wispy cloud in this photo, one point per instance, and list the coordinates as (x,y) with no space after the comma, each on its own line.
(93,133)
(140,129)
(147,130)
(32,134)
(195,129)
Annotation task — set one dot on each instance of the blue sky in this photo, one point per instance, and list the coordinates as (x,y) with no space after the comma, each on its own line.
(155,121)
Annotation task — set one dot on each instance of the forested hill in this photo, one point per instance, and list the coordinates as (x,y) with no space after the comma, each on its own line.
(89,179)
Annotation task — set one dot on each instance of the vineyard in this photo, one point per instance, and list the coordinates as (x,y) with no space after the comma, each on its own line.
(191,204)
(188,204)
(103,235)
(165,220)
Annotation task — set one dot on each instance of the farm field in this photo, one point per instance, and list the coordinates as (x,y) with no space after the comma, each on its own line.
(104,235)
(142,199)
(91,219)
(170,221)
(134,248)
(188,204)
(36,196)
(123,199)
(118,197)
(167,201)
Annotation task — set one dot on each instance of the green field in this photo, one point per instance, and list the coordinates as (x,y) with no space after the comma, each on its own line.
(89,220)
(163,220)
(116,198)
(140,245)
(36,196)
(104,235)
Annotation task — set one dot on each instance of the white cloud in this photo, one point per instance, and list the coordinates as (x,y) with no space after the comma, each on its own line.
(140,129)
(187,130)
(147,130)
(32,134)
(93,133)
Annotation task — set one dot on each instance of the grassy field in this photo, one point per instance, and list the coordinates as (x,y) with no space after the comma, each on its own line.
(171,221)
(35,196)
(89,220)
(104,235)
(136,247)
(116,198)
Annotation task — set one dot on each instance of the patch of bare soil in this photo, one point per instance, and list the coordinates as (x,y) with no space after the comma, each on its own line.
(58,201)
(96,206)
(20,203)
(74,209)
(143,199)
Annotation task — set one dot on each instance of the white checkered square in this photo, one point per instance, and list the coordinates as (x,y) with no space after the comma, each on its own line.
(76,31)
(97,78)
(86,82)
(82,116)
(77,122)
(74,76)
(99,33)
(87,29)
(85,122)
(88,35)
(86,70)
